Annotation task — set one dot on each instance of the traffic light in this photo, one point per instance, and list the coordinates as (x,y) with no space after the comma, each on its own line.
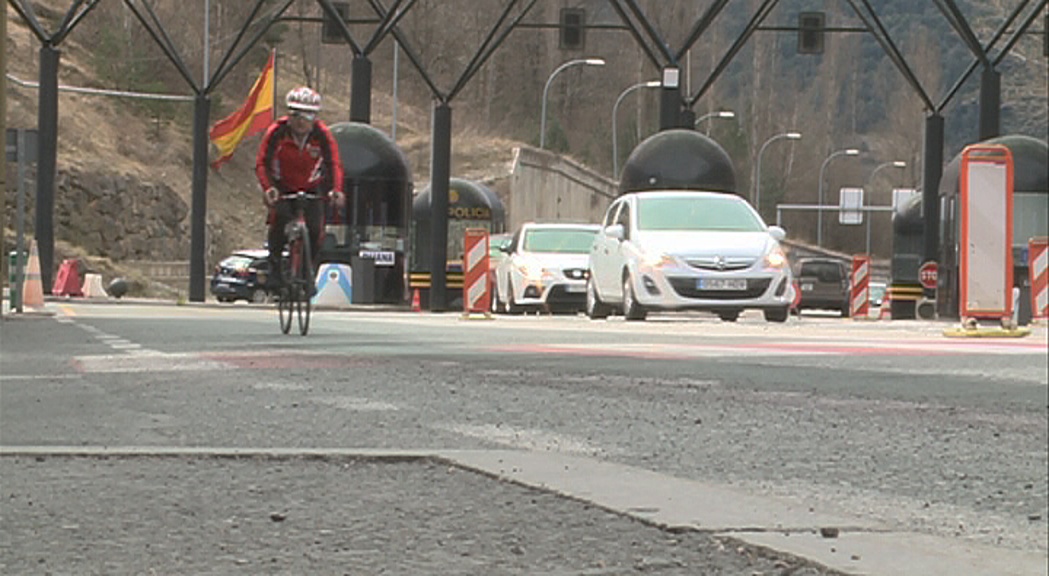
(573,36)
(810,32)
(331,33)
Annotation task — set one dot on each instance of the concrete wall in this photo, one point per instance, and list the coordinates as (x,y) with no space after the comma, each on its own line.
(549,188)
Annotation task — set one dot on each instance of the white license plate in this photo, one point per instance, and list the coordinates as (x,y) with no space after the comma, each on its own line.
(221,286)
(722,284)
(806,287)
(575,287)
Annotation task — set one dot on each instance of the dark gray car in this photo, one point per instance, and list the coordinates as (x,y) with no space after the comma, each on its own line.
(824,284)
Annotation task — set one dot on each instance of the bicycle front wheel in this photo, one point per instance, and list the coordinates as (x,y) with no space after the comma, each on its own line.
(285,300)
(304,282)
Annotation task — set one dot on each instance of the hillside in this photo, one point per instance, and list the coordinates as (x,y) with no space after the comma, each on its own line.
(116,163)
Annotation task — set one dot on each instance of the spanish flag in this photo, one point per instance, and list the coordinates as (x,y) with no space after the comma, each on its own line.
(253,117)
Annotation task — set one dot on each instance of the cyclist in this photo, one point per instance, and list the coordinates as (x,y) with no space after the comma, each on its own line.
(298,153)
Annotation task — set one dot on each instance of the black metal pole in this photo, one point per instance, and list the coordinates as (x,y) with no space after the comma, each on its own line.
(47,159)
(440,174)
(361,90)
(932,164)
(199,209)
(990,103)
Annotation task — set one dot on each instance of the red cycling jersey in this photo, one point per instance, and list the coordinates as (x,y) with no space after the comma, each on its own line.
(283,164)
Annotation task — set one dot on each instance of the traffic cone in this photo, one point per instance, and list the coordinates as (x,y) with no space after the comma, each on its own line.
(32,289)
(416,306)
(886,306)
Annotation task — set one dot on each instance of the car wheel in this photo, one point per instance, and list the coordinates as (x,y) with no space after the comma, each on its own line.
(632,309)
(845,310)
(223,299)
(258,296)
(729,315)
(595,308)
(777,315)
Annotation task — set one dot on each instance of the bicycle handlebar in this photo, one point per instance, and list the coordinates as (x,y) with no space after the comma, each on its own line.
(301,194)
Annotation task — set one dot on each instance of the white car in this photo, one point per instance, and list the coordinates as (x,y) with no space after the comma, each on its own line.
(681,250)
(544,268)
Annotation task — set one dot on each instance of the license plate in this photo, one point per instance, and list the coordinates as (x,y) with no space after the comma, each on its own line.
(221,286)
(575,287)
(722,284)
(806,287)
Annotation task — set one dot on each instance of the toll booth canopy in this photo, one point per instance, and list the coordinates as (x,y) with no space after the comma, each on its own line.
(371,232)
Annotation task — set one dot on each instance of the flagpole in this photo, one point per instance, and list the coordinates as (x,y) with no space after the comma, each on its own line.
(273,53)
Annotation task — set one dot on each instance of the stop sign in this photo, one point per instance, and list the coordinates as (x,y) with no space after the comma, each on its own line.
(927,275)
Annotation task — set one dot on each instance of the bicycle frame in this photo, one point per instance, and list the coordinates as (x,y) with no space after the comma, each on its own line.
(296,268)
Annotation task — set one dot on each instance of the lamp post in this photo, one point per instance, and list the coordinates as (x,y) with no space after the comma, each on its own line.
(542,115)
(894,164)
(615,149)
(718,114)
(756,196)
(819,206)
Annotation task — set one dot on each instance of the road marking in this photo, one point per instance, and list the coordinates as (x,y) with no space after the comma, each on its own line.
(15,377)
(766,349)
(524,438)
(356,404)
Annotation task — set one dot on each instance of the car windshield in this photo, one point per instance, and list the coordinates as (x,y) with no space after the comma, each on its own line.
(236,262)
(728,213)
(559,240)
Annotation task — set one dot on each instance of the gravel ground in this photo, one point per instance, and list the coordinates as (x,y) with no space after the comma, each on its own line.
(167,515)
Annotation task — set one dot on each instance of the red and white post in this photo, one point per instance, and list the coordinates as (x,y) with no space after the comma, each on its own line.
(476,297)
(860,300)
(1038,265)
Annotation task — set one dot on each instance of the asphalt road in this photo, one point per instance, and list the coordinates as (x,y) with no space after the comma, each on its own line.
(681,445)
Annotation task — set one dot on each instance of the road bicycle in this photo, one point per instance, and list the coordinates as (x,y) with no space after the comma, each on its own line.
(296,267)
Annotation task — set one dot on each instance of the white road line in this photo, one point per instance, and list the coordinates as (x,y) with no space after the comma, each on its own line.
(524,438)
(16,377)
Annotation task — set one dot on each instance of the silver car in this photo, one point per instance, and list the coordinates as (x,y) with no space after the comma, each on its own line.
(681,250)
(544,268)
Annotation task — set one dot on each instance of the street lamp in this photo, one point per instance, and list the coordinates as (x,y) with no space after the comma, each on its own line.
(894,164)
(819,206)
(718,114)
(615,150)
(542,116)
(756,196)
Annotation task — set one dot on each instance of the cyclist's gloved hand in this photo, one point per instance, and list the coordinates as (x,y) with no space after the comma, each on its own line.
(338,197)
(271,195)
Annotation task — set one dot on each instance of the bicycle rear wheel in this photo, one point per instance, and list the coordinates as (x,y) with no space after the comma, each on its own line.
(304,283)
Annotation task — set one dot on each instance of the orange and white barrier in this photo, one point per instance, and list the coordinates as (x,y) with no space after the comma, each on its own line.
(476,297)
(93,286)
(1038,258)
(859,305)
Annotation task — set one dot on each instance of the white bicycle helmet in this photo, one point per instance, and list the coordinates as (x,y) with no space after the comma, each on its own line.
(303,99)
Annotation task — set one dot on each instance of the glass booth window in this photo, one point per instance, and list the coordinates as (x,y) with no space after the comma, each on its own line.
(1030,216)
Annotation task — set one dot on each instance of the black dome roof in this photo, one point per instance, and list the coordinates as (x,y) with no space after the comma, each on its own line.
(1030,165)
(369,154)
(470,193)
(678,159)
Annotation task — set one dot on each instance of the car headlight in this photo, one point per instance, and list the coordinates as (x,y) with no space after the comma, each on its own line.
(776,258)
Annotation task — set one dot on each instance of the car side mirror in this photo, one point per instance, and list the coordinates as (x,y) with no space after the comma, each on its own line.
(615,231)
(779,234)
(505,248)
